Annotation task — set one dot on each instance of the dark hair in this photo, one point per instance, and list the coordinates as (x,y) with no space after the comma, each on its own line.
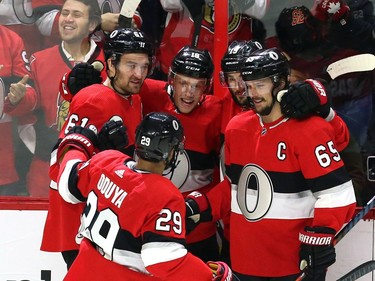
(94,10)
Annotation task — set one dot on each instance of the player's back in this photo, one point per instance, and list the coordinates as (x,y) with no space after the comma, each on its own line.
(127,211)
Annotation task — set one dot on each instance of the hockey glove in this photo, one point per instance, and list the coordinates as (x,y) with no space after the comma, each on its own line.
(198,210)
(304,99)
(336,10)
(79,138)
(220,271)
(317,252)
(81,76)
(113,135)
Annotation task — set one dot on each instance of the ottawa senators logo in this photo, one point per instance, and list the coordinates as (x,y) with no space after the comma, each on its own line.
(208,18)
(62,113)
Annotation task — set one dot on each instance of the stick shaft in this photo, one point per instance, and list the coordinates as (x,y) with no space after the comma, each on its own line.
(359,271)
(370,204)
(127,11)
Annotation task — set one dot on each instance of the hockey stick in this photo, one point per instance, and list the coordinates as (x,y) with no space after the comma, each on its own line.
(195,8)
(127,12)
(360,215)
(357,63)
(359,271)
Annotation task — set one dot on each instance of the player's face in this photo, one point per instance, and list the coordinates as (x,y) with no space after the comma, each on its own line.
(187,92)
(260,91)
(237,87)
(74,23)
(130,73)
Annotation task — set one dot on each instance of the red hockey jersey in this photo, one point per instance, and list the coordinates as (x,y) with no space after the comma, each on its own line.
(179,30)
(91,108)
(202,144)
(48,67)
(133,219)
(282,176)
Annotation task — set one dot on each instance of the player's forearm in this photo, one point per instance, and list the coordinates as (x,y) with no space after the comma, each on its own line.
(67,174)
(342,135)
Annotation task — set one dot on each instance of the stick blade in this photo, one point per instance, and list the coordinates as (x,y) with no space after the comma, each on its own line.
(357,63)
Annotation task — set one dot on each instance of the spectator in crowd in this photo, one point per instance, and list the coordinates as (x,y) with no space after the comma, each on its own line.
(128,56)
(350,24)
(32,20)
(310,54)
(17,101)
(262,154)
(243,24)
(78,19)
(37,21)
(140,243)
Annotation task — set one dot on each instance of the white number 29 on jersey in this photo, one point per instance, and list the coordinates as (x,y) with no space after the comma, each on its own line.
(168,221)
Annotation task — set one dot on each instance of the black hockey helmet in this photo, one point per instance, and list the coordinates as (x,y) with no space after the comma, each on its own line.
(127,40)
(235,53)
(265,63)
(157,135)
(193,62)
(297,29)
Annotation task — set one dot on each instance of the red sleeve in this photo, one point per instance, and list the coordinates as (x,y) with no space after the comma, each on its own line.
(341,132)
(220,200)
(186,268)
(41,3)
(26,105)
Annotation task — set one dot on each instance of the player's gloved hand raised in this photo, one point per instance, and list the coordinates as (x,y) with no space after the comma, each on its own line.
(198,210)
(79,138)
(335,10)
(81,76)
(113,135)
(317,252)
(304,99)
(220,271)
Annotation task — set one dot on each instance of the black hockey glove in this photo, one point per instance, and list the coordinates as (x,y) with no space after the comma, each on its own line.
(304,99)
(198,210)
(113,135)
(79,138)
(81,76)
(317,252)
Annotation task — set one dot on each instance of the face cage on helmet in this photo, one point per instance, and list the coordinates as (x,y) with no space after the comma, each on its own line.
(275,81)
(223,79)
(172,74)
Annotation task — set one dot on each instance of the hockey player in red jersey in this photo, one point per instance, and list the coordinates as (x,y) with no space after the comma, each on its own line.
(128,56)
(235,99)
(17,101)
(286,186)
(133,225)
(184,96)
